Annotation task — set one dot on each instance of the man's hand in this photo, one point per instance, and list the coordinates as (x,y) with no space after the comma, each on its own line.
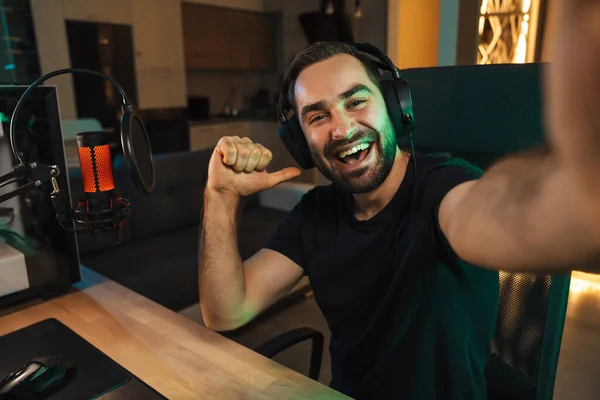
(238,167)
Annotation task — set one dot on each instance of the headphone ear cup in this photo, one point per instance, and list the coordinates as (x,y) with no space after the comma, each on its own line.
(398,100)
(294,140)
(393,107)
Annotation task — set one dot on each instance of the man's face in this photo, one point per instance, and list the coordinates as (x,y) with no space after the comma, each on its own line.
(346,124)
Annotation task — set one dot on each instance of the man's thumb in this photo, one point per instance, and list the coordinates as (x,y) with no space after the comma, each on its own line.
(275,178)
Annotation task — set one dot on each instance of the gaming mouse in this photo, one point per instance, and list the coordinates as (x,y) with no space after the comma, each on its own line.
(35,377)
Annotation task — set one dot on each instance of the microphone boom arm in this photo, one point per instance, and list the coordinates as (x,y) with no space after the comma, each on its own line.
(37,174)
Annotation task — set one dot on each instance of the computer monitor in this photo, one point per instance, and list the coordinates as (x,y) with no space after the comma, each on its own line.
(30,234)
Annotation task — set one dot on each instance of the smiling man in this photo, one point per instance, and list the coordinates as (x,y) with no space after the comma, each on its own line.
(408,318)
(402,260)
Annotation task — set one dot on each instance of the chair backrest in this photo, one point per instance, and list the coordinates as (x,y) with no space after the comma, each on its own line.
(481,113)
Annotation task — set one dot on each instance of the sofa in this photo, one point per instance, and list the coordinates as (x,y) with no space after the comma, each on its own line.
(158,256)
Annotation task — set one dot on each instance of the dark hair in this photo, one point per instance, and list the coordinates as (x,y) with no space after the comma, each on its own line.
(319,51)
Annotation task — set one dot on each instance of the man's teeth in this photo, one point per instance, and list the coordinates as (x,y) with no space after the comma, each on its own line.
(362,146)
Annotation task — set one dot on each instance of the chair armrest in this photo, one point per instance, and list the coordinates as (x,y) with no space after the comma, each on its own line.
(287,339)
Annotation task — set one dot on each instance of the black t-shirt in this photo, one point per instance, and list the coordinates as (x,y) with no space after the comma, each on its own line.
(419,327)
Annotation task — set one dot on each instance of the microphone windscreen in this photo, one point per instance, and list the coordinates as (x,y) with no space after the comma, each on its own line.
(142,151)
(95,162)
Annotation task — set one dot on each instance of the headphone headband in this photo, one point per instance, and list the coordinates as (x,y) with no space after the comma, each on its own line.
(282,99)
(387,64)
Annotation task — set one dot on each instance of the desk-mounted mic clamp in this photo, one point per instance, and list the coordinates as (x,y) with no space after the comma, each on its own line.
(35,173)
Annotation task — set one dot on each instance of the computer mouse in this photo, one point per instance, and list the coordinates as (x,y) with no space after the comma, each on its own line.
(35,377)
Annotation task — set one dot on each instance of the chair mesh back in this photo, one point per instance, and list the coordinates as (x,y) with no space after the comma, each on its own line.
(517,343)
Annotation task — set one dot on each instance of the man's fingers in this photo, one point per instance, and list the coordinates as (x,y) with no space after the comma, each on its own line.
(275,178)
(254,157)
(243,153)
(226,147)
(265,158)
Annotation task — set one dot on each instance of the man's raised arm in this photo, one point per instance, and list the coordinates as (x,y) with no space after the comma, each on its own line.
(231,292)
(540,211)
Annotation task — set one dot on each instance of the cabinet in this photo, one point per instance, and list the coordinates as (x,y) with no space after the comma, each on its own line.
(217,38)
(112,11)
(159,57)
(206,136)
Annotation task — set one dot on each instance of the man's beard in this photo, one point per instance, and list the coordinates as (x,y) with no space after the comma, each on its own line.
(369,177)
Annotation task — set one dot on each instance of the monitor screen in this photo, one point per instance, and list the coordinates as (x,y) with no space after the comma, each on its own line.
(38,258)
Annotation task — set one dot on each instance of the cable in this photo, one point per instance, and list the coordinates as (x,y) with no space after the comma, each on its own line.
(36,83)
(412,150)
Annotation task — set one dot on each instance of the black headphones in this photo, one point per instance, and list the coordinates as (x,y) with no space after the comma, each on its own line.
(396,95)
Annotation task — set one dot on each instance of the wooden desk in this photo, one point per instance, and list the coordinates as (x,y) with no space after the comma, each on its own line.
(174,355)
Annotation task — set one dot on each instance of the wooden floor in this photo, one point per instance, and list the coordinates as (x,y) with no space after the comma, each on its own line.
(578,373)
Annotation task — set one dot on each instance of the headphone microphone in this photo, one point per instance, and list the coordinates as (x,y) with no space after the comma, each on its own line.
(100,210)
(396,94)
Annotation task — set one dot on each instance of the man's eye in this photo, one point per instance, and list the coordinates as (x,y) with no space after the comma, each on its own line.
(316,118)
(356,103)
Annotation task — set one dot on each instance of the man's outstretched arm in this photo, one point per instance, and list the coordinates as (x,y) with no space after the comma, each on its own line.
(540,211)
(525,214)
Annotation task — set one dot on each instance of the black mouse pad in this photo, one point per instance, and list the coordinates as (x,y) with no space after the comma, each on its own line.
(94,374)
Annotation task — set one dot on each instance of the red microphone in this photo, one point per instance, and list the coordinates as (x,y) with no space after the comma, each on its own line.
(100,208)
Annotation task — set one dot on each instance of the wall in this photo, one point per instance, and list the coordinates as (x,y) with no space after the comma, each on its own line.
(252,5)
(372,26)
(468,32)
(158,63)
(413,32)
(448,32)
(53,51)
(293,39)
(550,29)
(427,33)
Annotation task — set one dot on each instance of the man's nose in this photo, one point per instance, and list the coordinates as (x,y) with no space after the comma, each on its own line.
(342,126)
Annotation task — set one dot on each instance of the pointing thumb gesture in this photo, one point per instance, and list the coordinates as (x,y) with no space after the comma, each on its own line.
(238,167)
(285,174)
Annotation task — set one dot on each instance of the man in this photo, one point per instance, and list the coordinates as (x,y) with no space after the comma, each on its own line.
(407,317)
(390,251)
